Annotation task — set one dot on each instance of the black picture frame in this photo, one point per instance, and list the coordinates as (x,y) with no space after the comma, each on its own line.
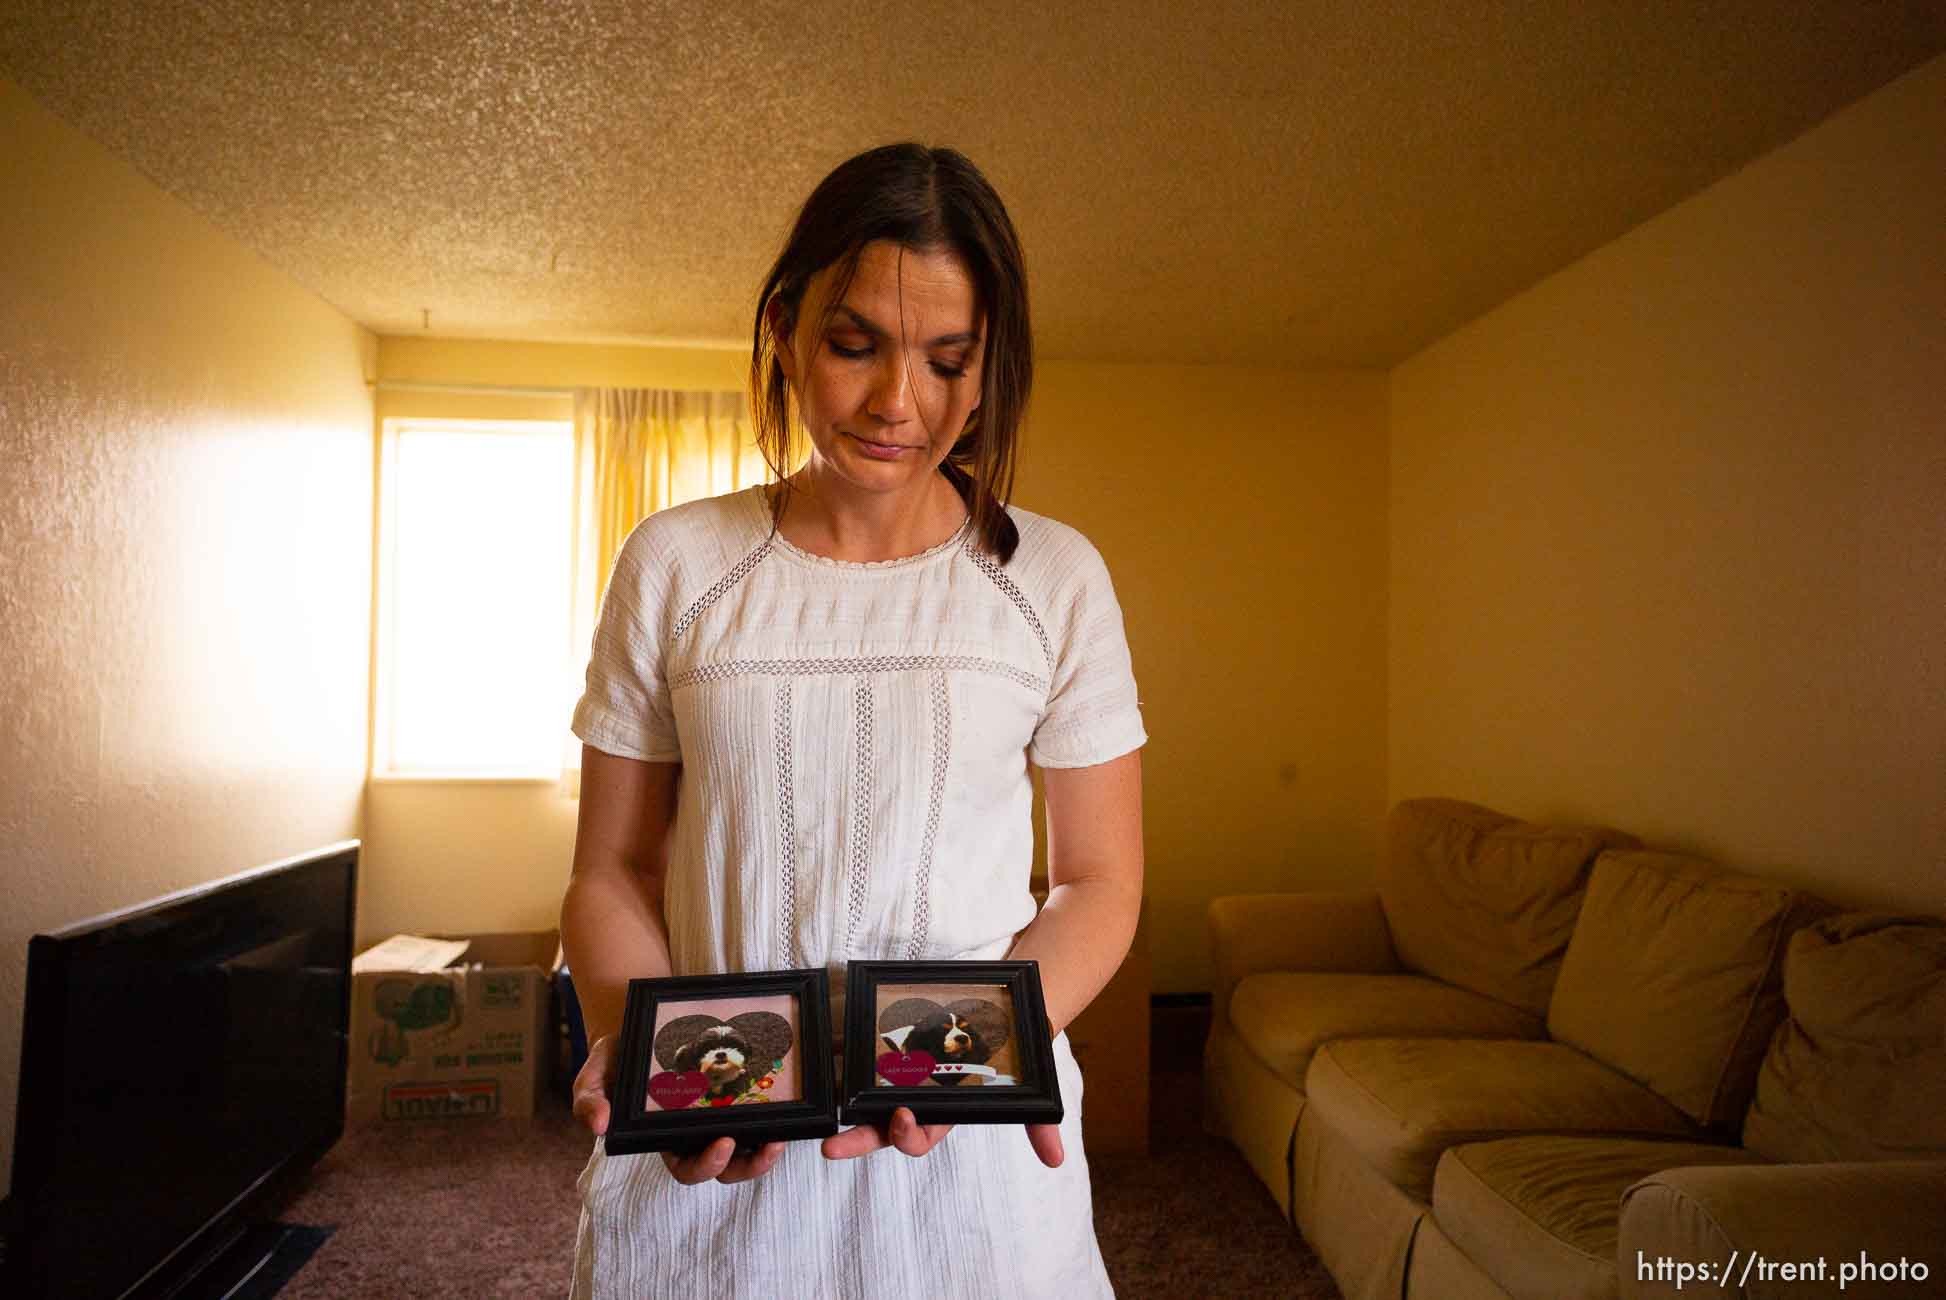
(634,1126)
(1034,1097)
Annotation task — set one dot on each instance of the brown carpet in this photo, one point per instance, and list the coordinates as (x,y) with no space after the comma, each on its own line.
(472,1209)
(1190,1219)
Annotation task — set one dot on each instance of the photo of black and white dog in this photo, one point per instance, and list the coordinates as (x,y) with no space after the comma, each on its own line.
(720,1054)
(731,1055)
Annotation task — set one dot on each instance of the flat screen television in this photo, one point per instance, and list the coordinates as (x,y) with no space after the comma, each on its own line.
(177,1059)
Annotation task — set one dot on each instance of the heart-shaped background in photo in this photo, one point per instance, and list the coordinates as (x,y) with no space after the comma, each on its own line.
(987,1019)
(769,1035)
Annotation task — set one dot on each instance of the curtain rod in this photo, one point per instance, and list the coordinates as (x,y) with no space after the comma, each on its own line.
(404,386)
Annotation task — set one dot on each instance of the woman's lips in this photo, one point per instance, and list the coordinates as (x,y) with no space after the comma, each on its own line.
(880,450)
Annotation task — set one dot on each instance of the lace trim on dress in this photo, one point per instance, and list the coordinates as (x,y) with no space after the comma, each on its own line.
(862,664)
(721,585)
(942,746)
(786,833)
(984,563)
(858,872)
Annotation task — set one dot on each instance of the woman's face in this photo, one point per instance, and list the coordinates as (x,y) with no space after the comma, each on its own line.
(887,380)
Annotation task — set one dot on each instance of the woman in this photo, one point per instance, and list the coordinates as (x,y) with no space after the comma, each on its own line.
(809,719)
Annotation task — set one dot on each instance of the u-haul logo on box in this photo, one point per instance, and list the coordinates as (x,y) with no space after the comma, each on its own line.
(431,1100)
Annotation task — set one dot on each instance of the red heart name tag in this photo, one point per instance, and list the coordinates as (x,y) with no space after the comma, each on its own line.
(673,1091)
(906,1069)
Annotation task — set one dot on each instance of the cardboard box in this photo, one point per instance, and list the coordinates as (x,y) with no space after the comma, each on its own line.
(471,1040)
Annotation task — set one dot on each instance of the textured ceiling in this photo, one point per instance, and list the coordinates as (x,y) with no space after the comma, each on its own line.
(1306,183)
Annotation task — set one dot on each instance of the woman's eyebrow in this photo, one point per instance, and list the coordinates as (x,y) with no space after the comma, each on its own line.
(869,326)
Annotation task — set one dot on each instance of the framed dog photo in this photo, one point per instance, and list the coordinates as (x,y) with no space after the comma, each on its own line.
(957,1042)
(705,1056)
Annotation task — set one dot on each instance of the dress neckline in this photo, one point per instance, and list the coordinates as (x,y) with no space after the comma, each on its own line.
(767,526)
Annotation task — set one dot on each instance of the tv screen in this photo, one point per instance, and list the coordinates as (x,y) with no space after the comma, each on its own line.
(176,1056)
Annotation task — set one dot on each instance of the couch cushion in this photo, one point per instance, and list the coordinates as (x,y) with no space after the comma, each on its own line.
(1673,977)
(1885,1213)
(1482,900)
(1286,1016)
(1403,1101)
(1541,1213)
(1858,1071)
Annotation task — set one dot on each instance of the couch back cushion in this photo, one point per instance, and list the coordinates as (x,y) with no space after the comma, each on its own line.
(1483,900)
(1674,977)
(1858,1070)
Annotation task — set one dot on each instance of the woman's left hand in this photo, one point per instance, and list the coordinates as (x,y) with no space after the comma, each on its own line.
(907,1134)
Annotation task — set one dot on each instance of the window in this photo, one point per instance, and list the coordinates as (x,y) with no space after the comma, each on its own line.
(474,668)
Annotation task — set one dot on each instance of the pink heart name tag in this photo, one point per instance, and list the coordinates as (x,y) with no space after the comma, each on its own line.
(673,1091)
(906,1069)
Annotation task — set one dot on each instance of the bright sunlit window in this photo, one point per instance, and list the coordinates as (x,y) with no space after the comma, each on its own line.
(474,579)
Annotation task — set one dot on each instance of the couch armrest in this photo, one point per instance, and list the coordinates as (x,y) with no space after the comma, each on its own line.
(1880,1221)
(1298,932)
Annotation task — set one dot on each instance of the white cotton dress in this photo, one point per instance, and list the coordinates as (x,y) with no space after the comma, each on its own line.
(855,741)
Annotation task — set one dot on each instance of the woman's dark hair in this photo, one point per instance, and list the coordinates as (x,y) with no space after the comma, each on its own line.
(924,200)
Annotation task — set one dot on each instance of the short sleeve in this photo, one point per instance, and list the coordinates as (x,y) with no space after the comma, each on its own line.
(624,709)
(1092,713)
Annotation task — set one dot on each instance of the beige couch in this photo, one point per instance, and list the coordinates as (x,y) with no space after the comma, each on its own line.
(1541,1062)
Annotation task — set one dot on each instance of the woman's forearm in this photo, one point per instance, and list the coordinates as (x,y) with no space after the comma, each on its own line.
(1095,863)
(612,932)
(1080,938)
(612,928)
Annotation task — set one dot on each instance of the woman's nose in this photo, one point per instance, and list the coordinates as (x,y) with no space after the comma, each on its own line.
(891,397)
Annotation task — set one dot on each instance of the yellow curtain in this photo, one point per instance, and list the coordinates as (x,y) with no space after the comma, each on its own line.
(637,451)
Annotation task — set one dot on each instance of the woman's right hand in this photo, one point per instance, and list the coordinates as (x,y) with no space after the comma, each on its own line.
(592,1084)
(718,1162)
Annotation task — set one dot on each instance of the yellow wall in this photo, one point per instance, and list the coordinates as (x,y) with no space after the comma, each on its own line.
(1242,513)
(1669,530)
(185,516)
(405,359)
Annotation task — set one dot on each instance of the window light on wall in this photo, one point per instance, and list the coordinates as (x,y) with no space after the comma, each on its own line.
(473,662)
